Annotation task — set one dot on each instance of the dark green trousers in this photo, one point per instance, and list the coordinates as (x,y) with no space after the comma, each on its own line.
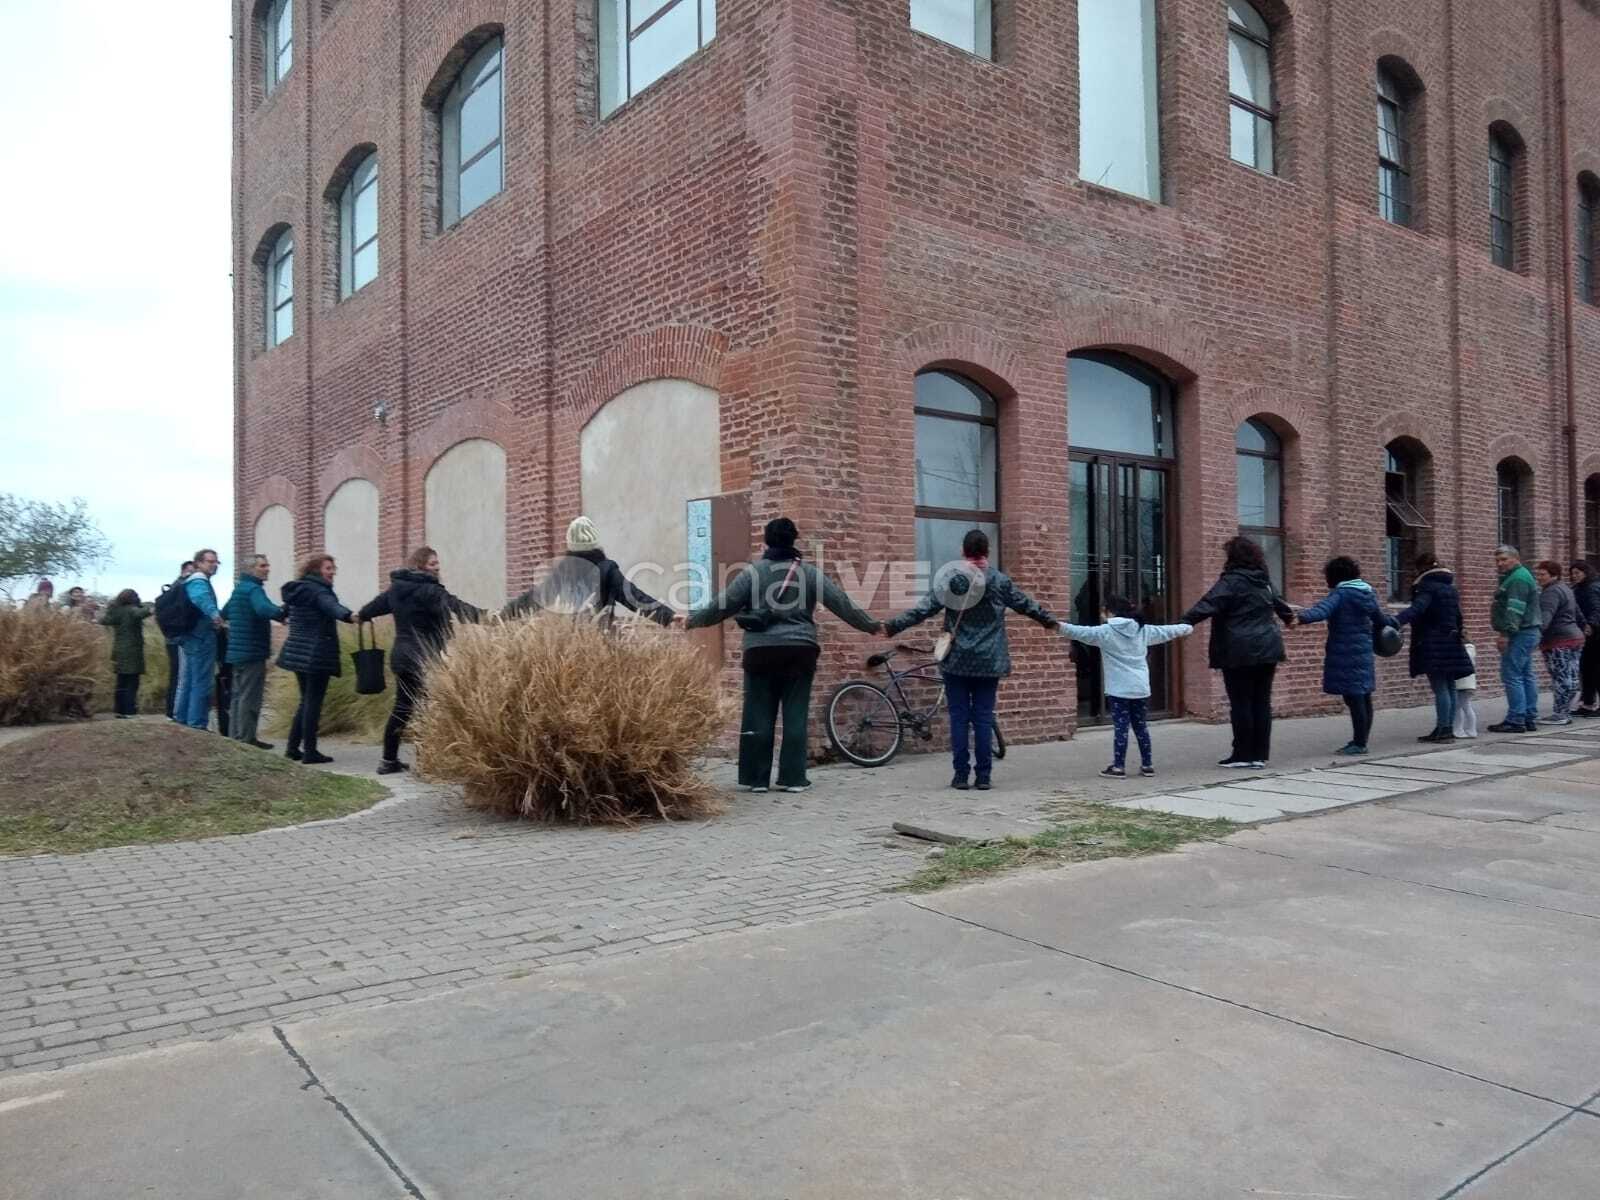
(766,695)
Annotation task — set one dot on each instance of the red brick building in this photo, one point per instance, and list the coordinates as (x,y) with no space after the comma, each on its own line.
(501,261)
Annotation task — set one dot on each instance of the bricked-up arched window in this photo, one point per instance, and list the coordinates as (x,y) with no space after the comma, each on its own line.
(958,467)
(1591,520)
(1514,504)
(277,41)
(279,292)
(1119,107)
(1395,118)
(1588,218)
(1251,111)
(358,228)
(1503,156)
(1406,527)
(641,40)
(1258,454)
(965,24)
(472,163)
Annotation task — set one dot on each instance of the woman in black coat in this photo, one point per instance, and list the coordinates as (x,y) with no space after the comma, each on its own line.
(1438,645)
(1246,646)
(423,614)
(312,650)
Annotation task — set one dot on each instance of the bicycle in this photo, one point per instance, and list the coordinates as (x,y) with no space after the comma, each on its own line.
(867,726)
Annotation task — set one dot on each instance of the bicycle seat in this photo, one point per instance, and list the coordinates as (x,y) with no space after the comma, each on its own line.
(877,660)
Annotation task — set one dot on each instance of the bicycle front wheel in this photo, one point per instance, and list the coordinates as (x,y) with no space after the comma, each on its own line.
(999,750)
(863,724)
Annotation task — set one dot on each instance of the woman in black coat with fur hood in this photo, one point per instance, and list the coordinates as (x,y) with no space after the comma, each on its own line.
(312,649)
(1438,645)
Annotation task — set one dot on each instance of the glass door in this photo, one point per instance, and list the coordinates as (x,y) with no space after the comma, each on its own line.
(1120,513)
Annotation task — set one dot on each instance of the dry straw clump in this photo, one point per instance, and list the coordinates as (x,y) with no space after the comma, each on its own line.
(558,719)
(49,664)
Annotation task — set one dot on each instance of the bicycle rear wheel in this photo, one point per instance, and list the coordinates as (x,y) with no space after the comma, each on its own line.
(999,750)
(863,724)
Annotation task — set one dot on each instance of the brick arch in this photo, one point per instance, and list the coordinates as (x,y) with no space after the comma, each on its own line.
(339,175)
(1404,424)
(964,349)
(454,45)
(465,419)
(270,235)
(1514,445)
(359,461)
(274,489)
(1282,408)
(1505,114)
(1154,335)
(1586,161)
(1589,466)
(690,352)
(1397,47)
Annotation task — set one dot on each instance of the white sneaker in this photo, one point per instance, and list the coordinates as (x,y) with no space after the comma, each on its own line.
(1556,721)
(758,791)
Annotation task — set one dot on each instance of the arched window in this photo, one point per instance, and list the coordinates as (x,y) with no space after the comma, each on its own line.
(958,467)
(358,228)
(965,24)
(1405,518)
(473,120)
(277,41)
(1258,453)
(1513,507)
(641,40)
(1588,221)
(1503,153)
(279,291)
(1591,520)
(1394,148)
(1119,106)
(1251,111)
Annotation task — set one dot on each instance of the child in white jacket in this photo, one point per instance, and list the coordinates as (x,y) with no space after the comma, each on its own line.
(1124,643)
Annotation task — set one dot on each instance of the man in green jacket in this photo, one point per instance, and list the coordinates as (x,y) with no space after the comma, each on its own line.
(1515,617)
(249,613)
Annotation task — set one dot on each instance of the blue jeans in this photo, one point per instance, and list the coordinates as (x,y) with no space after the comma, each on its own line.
(1516,672)
(199,667)
(972,704)
(1444,701)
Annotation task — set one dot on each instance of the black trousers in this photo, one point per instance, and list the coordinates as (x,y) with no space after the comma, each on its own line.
(1250,705)
(766,694)
(1360,718)
(303,729)
(172,677)
(407,691)
(1589,669)
(224,696)
(126,702)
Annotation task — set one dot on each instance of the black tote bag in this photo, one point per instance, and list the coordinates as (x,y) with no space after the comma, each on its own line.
(369,663)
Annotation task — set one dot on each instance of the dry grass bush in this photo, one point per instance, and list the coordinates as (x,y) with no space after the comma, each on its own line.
(345,712)
(49,665)
(555,719)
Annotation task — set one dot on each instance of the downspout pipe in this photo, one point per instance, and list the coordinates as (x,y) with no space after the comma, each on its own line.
(1569,430)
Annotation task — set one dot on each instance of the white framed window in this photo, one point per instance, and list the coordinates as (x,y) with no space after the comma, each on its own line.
(358,228)
(473,118)
(277,41)
(641,40)
(1119,107)
(1251,111)
(280,290)
(965,24)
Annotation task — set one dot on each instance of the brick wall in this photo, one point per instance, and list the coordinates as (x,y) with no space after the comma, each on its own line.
(823,202)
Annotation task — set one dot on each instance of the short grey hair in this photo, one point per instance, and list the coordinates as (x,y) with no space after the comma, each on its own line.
(1508,551)
(257,559)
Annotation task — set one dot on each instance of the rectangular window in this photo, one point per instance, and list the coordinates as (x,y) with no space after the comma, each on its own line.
(1509,510)
(1502,231)
(1119,110)
(641,40)
(1588,205)
(966,24)
(1394,153)
(1251,111)
(1404,522)
(280,292)
(358,229)
(277,41)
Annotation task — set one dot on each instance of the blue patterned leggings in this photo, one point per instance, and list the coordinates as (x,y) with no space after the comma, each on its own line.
(1124,713)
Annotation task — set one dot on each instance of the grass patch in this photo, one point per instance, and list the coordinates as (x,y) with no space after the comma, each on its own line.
(1083,832)
(126,783)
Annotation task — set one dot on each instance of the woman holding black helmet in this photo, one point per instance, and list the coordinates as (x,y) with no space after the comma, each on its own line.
(774,602)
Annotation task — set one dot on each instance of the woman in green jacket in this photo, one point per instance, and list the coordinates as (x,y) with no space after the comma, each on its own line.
(126,617)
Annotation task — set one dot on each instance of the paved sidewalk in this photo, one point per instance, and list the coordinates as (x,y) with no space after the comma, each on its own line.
(143,946)
(1393,1001)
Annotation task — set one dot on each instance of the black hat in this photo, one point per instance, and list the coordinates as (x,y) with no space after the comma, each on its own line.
(781,533)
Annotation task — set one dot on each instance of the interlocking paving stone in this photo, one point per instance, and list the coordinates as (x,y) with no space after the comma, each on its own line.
(1208,804)
(1314,789)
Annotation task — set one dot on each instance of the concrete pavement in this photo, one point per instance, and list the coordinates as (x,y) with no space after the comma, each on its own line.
(1394,1000)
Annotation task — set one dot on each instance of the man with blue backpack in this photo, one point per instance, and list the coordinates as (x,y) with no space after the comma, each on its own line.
(188,613)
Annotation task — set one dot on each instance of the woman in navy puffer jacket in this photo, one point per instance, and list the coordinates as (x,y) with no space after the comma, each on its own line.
(1353,615)
(1438,646)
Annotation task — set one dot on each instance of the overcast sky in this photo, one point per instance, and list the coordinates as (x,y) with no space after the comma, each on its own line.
(115,303)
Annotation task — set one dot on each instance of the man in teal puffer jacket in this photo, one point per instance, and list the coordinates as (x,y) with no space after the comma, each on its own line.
(249,614)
